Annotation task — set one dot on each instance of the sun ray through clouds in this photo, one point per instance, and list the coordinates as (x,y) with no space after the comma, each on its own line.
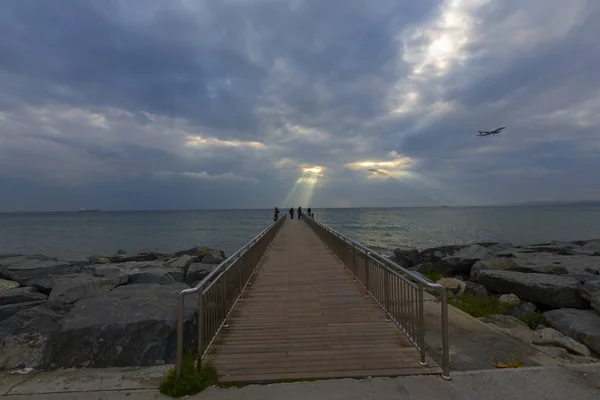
(303,190)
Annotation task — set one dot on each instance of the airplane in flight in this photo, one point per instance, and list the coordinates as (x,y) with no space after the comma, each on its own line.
(494,132)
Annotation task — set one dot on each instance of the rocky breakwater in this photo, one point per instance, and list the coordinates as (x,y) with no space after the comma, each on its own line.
(104,311)
(549,293)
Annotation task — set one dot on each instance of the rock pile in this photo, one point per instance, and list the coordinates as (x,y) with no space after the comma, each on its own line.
(103,311)
(557,282)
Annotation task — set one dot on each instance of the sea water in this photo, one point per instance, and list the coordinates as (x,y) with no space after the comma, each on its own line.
(80,234)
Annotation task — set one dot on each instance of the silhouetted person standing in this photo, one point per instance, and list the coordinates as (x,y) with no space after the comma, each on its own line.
(292,212)
(309,214)
(299,212)
(276,214)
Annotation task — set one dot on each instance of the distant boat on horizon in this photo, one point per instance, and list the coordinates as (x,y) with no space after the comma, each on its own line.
(86,210)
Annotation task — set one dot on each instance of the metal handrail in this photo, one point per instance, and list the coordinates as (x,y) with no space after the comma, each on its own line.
(394,288)
(206,284)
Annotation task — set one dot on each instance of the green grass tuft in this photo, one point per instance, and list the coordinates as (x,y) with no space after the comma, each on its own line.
(533,319)
(479,306)
(433,275)
(192,380)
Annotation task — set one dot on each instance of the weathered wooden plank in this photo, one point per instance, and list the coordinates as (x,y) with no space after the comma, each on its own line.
(304,317)
(319,355)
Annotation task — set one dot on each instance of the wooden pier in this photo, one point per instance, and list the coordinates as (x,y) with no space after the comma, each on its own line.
(303,317)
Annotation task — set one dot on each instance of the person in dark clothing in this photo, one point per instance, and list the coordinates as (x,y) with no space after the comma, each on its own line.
(309,215)
(291,212)
(299,212)
(276,214)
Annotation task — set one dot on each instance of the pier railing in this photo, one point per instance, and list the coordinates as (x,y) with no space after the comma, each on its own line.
(220,290)
(398,291)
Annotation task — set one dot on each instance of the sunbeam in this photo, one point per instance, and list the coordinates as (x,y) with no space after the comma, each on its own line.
(303,190)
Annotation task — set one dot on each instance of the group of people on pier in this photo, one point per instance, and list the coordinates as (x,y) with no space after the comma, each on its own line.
(291,211)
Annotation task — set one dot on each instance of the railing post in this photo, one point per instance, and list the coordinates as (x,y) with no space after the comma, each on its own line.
(422,327)
(179,361)
(223,290)
(240,268)
(445,342)
(386,294)
(367,274)
(354,261)
(200,328)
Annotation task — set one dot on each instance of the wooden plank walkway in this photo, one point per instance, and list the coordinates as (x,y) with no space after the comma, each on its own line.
(303,317)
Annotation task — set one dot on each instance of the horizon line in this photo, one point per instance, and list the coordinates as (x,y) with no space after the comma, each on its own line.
(520,204)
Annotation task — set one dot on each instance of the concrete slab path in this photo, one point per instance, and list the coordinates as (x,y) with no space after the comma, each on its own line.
(571,382)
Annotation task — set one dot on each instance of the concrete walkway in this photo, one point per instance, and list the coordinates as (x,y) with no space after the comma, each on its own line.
(537,383)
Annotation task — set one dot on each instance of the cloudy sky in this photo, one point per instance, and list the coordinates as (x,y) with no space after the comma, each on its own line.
(184,104)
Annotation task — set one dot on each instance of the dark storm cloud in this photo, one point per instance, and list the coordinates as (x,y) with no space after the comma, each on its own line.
(209,64)
(239,96)
(86,49)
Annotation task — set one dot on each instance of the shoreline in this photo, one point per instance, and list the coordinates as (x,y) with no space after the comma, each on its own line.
(47,304)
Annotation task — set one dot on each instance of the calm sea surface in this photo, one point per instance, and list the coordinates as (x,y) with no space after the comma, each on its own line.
(78,235)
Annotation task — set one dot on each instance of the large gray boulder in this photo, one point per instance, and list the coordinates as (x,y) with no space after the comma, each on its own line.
(138,265)
(129,326)
(516,265)
(159,276)
(552,337)
(550,269)
(422,268)
(523,311)
(434,254)
(122,257)
(500,247)
(213,257)
(24,338)
(198,271)
(561,248)
(182,262)
(585,277)
(9,310)
(581,325)
(592,246)
(204,254)
(461,262)
(591,292)
(156,272)
(568,245)
(500,264)
(70,288)
(474,252)
(454,286)
(573,264)
(21,295)
(550,290)
(109,271)
(476,289)
(406,256)
(36,271)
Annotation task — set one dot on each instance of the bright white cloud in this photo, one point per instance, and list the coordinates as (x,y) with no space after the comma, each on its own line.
(203,175)
(208,142)
(432,50)
(396,168)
